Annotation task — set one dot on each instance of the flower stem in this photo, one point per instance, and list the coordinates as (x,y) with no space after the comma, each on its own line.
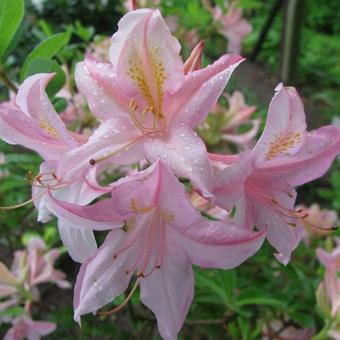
(6,81)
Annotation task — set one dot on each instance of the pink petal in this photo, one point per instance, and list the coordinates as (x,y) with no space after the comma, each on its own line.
(243,138)
(168,292)
(145,57)
(201,90)
(229,183)
(285,127)
(104,278)
(33,100)
(194,62)
(218,244)
(18,128)
(86,216)
(97,81)
(79,242)
(117,137)
(319,149)
(185,153)
(283,237)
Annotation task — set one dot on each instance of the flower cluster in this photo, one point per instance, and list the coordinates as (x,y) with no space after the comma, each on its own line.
(148,104)
(31,267)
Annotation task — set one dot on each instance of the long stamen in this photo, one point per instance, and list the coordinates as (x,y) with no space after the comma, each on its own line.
(299,215)
(116,152)
(16,206)
(123,304)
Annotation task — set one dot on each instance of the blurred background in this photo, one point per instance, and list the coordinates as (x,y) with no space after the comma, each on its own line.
(294,41)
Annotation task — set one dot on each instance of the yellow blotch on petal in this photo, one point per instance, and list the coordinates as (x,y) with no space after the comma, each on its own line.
(48,128)
(282,144)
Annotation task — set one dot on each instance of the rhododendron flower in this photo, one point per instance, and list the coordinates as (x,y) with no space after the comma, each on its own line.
(162,237)
(233,26)
(147,105)
(238,114)
(34,123)
(331,284)
(25,328)
(317,216)
(30,267)
(227,121)
(261,183)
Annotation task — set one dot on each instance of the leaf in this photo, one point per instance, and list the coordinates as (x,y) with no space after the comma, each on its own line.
(44,65)
(11,14)
(46,49)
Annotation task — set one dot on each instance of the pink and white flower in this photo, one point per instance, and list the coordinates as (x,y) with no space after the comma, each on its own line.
(147,105)
(163,236)
(260,184)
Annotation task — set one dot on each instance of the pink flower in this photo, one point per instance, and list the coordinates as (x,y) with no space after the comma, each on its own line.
(234,28)
(238,114)
(317,217)
(162,237)
(30,267)
(147,105)
(34,123)
(332,280)
(260,184)
(25,328)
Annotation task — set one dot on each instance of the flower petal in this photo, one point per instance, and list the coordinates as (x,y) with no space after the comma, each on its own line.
(104,277)
(185,153)
(211,244)
(320,148)
(285,127)
(79,242)
(229,183)
(168,292)
(201,90)
(97,81)
(117,137)
(18,128)
(86,216)
(33,100)
(283,237)
(145,57)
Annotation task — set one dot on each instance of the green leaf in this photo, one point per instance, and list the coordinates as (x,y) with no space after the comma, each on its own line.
(11,14)
(43,65)
(46,49)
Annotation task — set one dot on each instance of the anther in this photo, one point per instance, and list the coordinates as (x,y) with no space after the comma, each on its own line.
(291,224)
(114,256)
(158,267)
(92,161)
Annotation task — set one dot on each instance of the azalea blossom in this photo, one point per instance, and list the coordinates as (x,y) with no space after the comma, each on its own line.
(30,267)
(232,26)
(317,216)
(227,122)
(260,183)
(163,236)
(33,123)
(26,328)
(147,105)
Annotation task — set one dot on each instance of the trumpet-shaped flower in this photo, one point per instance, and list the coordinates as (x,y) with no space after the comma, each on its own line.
(233,26)
(260,184)
(30,267)
(32,122)
(147,105)
(163,236)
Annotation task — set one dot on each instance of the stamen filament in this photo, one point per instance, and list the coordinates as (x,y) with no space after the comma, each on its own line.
(123,304)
